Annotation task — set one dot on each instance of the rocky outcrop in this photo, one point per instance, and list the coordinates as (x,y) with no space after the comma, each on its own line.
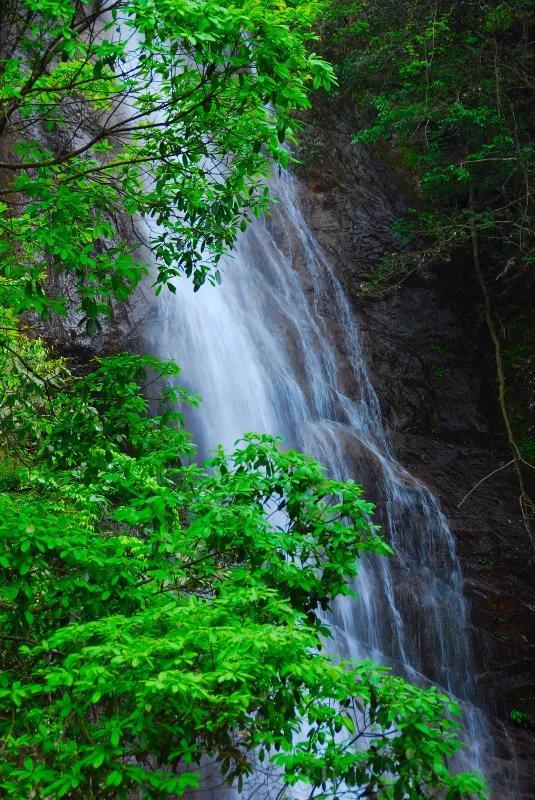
(430,363)
(65,334)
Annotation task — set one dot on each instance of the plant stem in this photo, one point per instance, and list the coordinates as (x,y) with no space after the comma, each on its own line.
(525,503)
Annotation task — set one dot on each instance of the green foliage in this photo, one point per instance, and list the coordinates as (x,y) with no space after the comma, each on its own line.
(165,111)
(438,372)
(450,86)
(521,718)
(154,612)
(527,448)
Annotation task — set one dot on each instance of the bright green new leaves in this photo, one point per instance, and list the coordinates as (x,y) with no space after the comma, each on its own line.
(156,615)
(166,112)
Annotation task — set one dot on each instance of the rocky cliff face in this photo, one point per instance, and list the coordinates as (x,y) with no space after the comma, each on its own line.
(66,336)
(430,363)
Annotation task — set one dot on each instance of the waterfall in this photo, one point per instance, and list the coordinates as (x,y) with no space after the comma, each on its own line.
(276,349)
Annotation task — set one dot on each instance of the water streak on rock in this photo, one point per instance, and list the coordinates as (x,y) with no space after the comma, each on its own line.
(276,349)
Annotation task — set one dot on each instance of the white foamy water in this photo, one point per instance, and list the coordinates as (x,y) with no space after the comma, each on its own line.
(276,349)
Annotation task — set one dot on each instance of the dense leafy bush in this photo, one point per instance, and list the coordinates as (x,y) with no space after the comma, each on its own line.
(449,85)
(153,612)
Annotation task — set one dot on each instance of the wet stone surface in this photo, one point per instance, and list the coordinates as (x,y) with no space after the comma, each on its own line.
(429,363)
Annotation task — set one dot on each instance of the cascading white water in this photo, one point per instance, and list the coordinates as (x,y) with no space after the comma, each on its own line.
(276,349)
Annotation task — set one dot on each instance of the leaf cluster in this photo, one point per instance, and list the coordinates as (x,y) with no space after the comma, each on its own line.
(131,122)
(450,87)
(156,614)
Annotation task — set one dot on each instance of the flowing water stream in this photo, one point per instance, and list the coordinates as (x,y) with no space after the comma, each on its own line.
(276,349)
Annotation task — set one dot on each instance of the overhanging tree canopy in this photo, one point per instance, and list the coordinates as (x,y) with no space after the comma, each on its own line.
(169,110)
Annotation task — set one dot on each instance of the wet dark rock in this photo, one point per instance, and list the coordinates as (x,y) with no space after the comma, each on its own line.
(430,363)
(120,331)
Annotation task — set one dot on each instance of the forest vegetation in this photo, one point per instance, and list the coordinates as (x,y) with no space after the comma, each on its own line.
(156,614)
(448,87)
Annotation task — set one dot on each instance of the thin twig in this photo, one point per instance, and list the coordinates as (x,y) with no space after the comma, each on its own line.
(526,504)
(494,471)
